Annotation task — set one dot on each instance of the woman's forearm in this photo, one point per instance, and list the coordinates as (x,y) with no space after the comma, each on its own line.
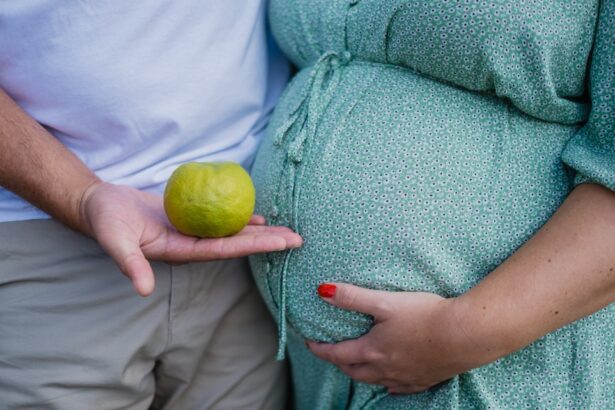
(35,166)
(565,272)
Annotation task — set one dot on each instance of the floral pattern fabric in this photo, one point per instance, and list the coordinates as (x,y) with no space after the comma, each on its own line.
(419,145)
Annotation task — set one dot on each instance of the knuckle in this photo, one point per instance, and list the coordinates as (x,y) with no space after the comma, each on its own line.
(218,249)
(315,349)
(372,355)
(348,297)
(383,306)
(321,351)
(332,356)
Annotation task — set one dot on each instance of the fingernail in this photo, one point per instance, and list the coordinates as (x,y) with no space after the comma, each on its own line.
(327,290)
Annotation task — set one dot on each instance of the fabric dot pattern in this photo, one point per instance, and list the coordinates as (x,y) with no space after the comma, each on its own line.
(420,145)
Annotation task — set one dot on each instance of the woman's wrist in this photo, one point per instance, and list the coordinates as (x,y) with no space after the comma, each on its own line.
(562,274)
(474,342)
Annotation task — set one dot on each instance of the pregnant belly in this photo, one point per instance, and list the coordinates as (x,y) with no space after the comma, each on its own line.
(407,184)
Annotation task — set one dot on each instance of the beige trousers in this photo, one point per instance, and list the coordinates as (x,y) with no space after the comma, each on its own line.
(74,335)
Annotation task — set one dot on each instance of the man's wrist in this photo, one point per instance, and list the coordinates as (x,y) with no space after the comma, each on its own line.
(82,220)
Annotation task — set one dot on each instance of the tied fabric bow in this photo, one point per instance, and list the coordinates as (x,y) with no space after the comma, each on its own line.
(301,126)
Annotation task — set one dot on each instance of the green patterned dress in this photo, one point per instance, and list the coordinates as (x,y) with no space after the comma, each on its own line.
(419,145)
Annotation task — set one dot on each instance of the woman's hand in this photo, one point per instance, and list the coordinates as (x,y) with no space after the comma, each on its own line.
(415,343)
(131,226)
(563,273)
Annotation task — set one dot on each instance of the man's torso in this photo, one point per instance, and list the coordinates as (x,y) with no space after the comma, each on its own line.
(136,88)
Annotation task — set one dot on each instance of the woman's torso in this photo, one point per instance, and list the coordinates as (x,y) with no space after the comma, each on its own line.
(416,149)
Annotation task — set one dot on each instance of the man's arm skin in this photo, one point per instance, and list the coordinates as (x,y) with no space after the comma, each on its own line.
(129,224)
(37,167)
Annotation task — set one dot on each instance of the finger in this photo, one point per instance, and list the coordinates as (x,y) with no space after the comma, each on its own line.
(389,383)
(282,230)
(140,272)
(257,220)
(408,389)
(350,297)
(362,373)
(185,249)
(342,353)
(127,253)
(292,239)
(270,230)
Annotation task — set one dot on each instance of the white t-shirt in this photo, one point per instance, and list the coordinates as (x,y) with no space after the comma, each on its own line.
(136,88)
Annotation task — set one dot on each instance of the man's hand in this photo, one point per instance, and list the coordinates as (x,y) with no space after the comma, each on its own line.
(131,226)
(415,343)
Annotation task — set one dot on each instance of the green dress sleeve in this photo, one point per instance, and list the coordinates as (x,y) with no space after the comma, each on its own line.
(591,152)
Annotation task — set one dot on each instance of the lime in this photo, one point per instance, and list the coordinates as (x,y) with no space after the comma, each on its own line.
(209,199)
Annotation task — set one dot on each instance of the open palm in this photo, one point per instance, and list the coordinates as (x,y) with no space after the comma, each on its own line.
(132,227)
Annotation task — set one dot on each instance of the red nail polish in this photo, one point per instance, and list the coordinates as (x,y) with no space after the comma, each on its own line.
(327,290)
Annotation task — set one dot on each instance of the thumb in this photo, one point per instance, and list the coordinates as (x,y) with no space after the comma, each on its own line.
(131,261)
(350,297)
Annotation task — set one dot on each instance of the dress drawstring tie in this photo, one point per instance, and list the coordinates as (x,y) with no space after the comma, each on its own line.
(302,122)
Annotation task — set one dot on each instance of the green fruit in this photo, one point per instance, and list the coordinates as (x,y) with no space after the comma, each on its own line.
(209,199)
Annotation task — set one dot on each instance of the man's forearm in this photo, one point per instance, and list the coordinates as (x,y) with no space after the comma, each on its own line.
(35,166)
(565,272)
